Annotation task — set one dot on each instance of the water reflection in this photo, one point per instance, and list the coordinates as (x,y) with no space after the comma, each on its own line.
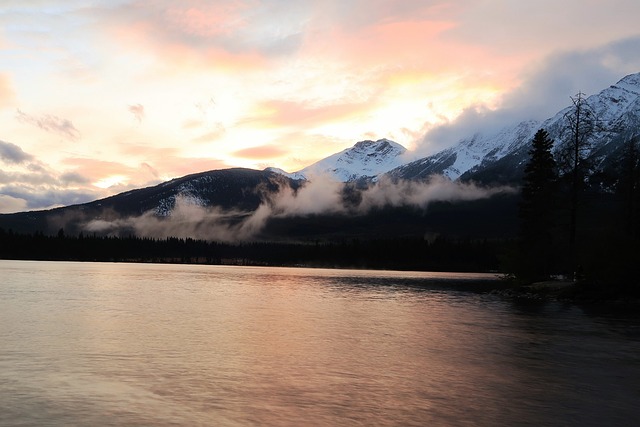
(101,344)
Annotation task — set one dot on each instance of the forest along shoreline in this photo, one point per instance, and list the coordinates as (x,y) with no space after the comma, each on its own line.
(612,285)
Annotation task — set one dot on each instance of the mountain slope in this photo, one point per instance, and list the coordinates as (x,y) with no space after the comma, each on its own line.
(239,190)
(501,156)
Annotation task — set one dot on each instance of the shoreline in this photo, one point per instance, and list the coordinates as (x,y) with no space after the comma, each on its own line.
(582,293)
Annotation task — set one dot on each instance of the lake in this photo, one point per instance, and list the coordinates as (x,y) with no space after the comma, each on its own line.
(166,345)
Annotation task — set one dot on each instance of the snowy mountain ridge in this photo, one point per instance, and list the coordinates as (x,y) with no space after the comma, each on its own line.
(617,109)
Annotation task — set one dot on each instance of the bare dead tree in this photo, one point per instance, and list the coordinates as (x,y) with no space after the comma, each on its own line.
(581,125)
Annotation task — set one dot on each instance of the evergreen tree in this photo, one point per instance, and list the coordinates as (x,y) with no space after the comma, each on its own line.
(537,209)
(629,187)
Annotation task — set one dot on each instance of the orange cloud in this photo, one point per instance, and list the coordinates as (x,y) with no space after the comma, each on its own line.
(95,169)
(211,135)
(276,113)
(181,166)
(147,151)
(163,162)
(261,152)
(144,173)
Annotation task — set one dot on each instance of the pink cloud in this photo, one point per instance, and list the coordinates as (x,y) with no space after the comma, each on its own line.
(7,95)
(204,20)
(188,34)
(96,169)
(138,111)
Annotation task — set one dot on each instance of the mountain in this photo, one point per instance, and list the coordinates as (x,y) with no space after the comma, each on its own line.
(500,157)
(471,153)
(228,205)
(234,190)
(364,159)
(497,157)
(250,203)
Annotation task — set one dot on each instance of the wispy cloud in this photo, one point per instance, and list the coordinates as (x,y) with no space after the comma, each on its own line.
(151,169)
(50,123)
(138,111)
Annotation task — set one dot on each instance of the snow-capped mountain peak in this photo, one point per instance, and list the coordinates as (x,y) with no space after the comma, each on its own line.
(365,159)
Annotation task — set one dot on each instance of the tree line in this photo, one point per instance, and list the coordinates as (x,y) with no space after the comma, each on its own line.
(568,225)
(439,254)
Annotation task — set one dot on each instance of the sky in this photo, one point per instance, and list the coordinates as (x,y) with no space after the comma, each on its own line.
(102,96)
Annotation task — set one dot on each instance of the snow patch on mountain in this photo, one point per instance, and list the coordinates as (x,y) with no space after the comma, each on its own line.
(187,195)
(488,148)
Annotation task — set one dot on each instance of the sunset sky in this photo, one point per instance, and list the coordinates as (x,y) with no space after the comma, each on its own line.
(101,96)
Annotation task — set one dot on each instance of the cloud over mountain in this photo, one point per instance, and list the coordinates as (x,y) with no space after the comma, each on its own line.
(545,90)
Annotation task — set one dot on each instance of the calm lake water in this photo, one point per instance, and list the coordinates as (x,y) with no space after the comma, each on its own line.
(165,345)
